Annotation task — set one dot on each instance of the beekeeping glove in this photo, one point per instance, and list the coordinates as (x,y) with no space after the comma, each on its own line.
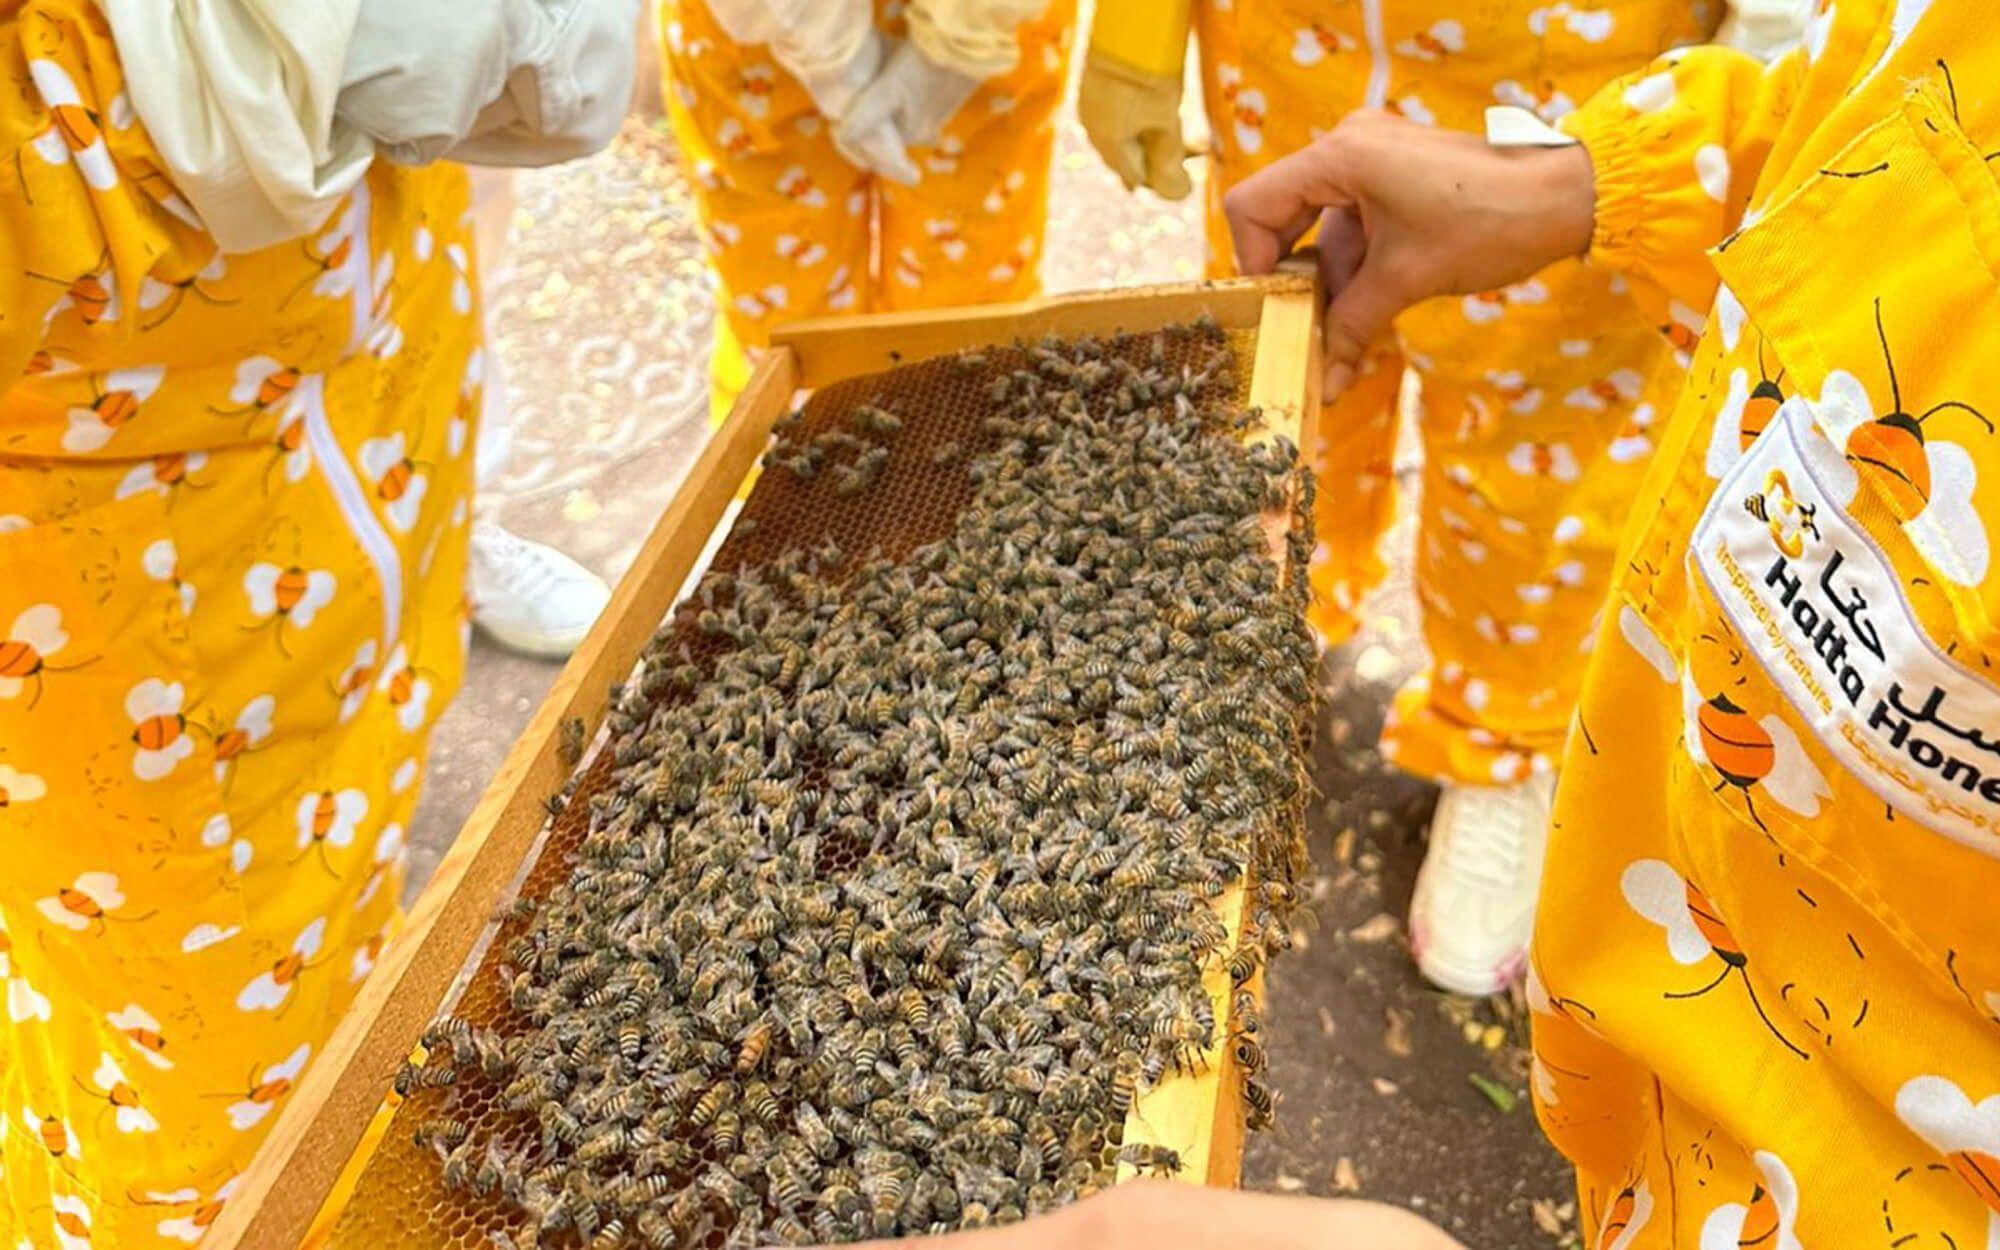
(1130,98)
(517,82)
(830,46)
(906,106)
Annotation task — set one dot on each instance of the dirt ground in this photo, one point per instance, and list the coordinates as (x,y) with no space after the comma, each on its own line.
(601,309)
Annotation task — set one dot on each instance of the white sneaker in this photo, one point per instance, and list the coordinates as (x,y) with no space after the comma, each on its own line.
(1474,907)
(530,597)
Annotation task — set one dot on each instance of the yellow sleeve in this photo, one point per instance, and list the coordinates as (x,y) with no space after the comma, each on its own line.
(978,38)
(1677,149)
(1149,36)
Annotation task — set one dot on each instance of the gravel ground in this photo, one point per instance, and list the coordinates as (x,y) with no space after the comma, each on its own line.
(602,311)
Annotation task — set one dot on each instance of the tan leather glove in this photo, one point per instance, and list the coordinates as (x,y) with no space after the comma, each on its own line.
(1133,119)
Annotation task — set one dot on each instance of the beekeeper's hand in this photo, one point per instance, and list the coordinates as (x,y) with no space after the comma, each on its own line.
(1151,1214)
(906,106)
(1133,119)
(1406,212)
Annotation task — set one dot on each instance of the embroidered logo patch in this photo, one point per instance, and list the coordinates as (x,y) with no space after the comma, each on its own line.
(1823,609)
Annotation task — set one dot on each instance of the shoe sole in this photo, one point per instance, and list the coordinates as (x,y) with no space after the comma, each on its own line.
(1477,982)
(533,643)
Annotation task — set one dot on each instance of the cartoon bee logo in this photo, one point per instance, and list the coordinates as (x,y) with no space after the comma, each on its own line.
(72,1221)
(87,904)
(54,1134)
(1313,44)
(1435,42)
(1789,520)
(408,688)
(1695,932)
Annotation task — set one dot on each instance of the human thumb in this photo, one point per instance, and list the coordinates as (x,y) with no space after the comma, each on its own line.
(1359,313)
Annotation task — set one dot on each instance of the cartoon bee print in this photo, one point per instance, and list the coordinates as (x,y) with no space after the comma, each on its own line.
(330,257)
(73,136)
(139,1027)
(206,1209)
(262,384)
(36,635)
(165,474)
(291,595)
(265,1088)
(1927,482)
(120,1098)
(1749,753)
(329,818)
(398,484)
(160,738)
(252,728)
(1626,1217)
(270,991)
(53,1133)
(408,687)
(1762,406)
(1313,44)
(1964,1132)
(1767,1220)
(115,403)
(1436,42)
(1695,932)
(86,904)
(168,296)
(72,1221)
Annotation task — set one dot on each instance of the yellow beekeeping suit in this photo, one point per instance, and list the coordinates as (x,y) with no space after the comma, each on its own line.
(1534,402)
(1768,991)
(794,230)
(232,501)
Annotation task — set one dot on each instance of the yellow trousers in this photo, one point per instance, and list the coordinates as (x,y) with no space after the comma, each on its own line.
(1533,403)
(233,494)
(793,230)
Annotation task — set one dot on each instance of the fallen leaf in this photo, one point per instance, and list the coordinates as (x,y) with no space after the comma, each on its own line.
(1396,1032)
(1379,928)
(1325,1023)
(1492,1037)
(1496,1093)
(1386,1087)
(1345,1179)
(1287,1184)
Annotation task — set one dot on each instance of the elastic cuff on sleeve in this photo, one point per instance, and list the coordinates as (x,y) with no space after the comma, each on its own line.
(1618,174)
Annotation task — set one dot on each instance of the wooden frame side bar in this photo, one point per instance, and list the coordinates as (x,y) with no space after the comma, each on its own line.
(324,1119)
(1200,1116)
(833,348)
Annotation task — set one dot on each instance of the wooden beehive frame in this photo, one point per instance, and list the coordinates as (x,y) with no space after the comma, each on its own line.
(1201,1115)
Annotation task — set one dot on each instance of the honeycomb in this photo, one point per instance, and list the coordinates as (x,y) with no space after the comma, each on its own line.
(399,1199)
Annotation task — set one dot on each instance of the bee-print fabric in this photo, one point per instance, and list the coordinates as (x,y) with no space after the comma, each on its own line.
(793,230)
(232,503)
(1767,986)
(1535,404)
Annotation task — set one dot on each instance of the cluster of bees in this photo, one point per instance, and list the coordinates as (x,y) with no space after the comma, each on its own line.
(901,890)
